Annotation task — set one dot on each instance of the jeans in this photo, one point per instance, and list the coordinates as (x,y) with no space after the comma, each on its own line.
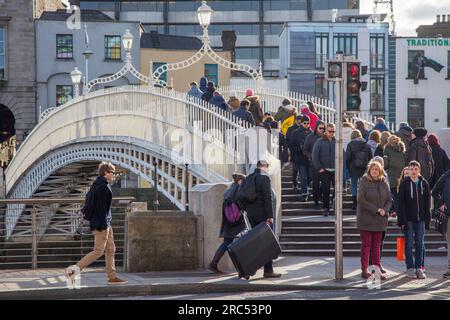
(370,246)
(326,178)
(226,242)
(354,181)
(414,237)
(316,190)
(304,176)
(295,172)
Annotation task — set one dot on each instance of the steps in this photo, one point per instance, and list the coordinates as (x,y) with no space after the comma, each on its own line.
(306,232)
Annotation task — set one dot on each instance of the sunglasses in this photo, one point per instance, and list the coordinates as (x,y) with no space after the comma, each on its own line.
(320,128)
(305,122)
(330,131)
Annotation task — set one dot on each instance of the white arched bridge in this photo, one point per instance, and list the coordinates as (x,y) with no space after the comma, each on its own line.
(135,127)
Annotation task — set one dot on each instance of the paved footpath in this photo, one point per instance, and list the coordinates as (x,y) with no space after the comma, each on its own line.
(298,273)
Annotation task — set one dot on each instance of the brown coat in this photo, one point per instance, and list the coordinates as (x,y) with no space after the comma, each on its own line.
(371,196)
(234,103)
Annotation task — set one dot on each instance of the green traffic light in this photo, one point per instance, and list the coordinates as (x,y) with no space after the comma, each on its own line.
(353,103)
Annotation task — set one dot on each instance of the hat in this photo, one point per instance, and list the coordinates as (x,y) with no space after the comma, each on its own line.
(238,175)
(286,102)
(420,132)
(249,92)
(404,124)
(305,118)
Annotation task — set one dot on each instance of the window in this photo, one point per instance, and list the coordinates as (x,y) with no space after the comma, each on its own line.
(98,5)
(285,5)
(185,30)
(346,42)
(247,53)
(272,29)
(163,76)
(271,53)
(448,64)
(416,112)
(63,94)
(448,113)
(414,59)
(2,54)
(154,28)
(142,6)
(112,48)
(64,46)
(236,5)
(377,94)
(211,73)
(377,51)
(321,86)
(321,49)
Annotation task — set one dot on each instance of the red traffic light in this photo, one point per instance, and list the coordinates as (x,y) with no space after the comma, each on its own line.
(353,70)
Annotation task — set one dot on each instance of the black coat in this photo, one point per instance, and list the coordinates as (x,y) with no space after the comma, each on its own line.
(414,202)
(245,115)
(441,193)
(101,218)
(355,146)
(296,145)
(289,132)
(309,144)
(441,164)
(227,229)
(261,209)
(420,150)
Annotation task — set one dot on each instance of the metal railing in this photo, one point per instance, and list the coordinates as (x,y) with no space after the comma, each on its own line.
(60,242)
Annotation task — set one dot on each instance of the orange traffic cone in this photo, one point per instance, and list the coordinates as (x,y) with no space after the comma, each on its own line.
(401,249)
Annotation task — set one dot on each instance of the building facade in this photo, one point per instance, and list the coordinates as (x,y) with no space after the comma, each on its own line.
(304,48)
(441,28)
(17,69)
(257,23)
(60,49)
(163,49)
(422,95)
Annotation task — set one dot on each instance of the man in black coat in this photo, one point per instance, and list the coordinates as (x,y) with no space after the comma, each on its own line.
(243,113)
(261,209)
(100,224)
(300,162)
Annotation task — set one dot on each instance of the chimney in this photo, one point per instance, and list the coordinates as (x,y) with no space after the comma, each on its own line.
(443,17)
(229,43)
(334,15)
(448,18)
(438,18)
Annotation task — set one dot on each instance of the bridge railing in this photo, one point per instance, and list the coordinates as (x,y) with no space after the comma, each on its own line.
(35,244)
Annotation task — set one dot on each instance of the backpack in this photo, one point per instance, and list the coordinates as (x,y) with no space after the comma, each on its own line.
(89,205)
(360,159)
(247,191)
(232,212)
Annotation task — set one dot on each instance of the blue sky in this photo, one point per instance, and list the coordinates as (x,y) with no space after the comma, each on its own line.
(409,14)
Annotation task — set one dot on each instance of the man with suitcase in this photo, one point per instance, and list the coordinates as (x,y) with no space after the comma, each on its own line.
(261,209)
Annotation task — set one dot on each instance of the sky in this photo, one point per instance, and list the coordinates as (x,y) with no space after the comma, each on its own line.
(409,14)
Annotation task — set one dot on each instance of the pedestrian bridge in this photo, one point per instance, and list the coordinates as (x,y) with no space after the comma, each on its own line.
(140,129)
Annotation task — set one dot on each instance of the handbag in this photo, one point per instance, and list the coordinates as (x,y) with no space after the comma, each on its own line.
(441,221)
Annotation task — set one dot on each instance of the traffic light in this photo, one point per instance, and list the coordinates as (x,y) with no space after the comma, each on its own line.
(353,86)
(334,70)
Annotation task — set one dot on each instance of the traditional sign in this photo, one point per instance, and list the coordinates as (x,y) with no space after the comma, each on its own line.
(437,42)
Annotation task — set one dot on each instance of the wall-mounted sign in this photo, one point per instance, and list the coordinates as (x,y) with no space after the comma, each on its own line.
(436,42)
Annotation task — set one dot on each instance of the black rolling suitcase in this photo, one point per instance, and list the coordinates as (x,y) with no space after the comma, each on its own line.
(253,250)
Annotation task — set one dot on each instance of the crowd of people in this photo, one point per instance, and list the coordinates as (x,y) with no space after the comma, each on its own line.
(390,174)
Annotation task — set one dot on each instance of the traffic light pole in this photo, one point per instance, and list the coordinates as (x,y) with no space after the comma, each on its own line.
(339,165)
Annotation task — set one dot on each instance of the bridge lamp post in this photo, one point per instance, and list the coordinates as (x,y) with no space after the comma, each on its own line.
(127,41)
(76,79)
(204,13)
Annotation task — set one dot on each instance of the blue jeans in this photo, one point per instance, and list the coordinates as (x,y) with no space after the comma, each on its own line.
(354,181)
(304,178)
(414,237)
(226,242)
(345,173)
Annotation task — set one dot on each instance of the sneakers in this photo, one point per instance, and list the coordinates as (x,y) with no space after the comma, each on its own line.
(411,273)
(447,274)
(420,274)
(117,281)
(272,275)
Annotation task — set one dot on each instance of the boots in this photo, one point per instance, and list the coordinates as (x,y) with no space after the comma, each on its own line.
(354,202)
(215,261)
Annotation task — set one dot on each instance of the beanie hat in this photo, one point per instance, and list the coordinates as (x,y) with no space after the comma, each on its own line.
(249,92)
(404,124)
(420,132)
(305,118)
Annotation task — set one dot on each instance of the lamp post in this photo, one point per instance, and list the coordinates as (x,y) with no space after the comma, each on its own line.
(87,54)
(127,41)
(76,79)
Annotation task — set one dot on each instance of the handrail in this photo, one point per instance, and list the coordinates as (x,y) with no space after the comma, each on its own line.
(59,200)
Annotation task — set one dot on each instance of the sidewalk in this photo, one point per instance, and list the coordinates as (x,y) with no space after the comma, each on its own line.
(299,273)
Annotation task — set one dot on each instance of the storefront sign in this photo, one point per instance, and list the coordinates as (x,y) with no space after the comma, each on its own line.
(437,42)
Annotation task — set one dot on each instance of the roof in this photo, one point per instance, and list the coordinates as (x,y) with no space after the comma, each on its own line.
(164,41)
(86,16)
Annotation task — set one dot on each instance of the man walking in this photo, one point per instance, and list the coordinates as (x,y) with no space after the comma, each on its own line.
(300,162)
(323,159)
(414,217)
(441,196)
(100,225)
(262,210)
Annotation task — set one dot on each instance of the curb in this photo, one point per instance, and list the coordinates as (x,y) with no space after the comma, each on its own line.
(156,289)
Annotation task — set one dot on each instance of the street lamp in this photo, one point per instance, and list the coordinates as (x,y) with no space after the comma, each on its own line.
(127,41)
(76,79)
(204,14)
